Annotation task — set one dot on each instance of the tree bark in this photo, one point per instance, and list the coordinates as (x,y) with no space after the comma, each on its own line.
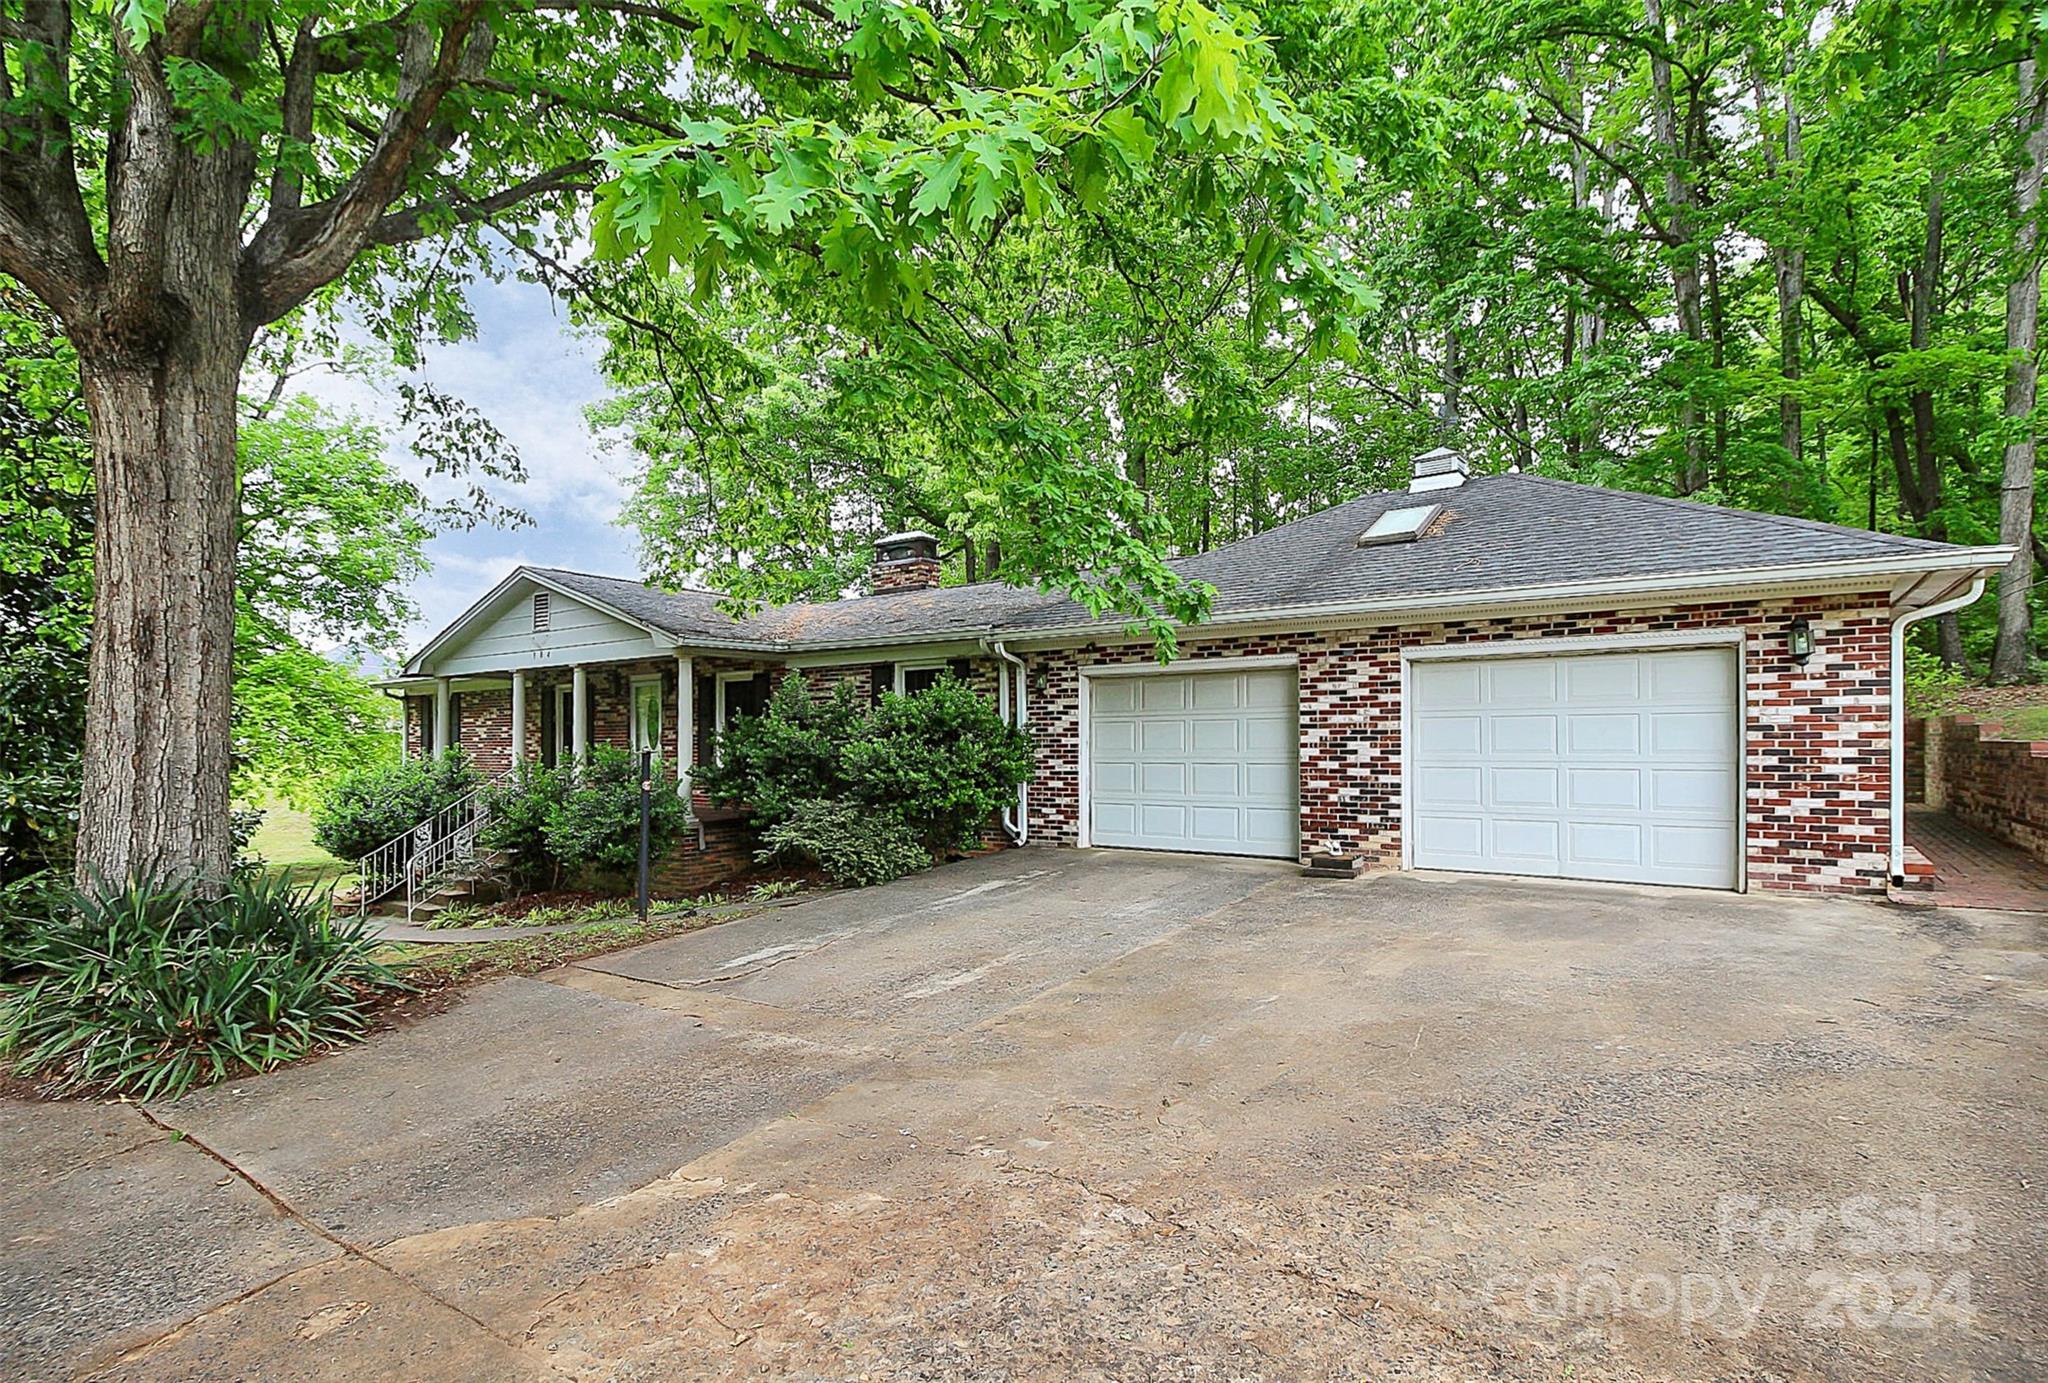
(2014,648)
(1686,291)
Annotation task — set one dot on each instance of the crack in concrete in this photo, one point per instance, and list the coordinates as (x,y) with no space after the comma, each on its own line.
(348,1248)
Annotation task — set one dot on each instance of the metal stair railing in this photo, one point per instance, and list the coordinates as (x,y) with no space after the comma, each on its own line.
(416,858)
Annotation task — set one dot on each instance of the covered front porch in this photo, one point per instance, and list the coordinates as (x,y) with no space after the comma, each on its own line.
(672,706)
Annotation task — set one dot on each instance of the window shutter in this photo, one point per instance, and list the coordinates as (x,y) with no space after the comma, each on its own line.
(454,718)
(881,678)
(547,726)
(962,669)
(705,705)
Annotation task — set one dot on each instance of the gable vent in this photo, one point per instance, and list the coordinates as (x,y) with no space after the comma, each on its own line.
(541,611)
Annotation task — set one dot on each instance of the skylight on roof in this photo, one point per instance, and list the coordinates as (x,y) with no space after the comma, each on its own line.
(1399,525)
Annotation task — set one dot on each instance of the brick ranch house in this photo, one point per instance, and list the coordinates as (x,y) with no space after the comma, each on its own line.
(1504,674)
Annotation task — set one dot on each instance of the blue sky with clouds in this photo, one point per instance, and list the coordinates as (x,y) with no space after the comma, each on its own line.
(531,374)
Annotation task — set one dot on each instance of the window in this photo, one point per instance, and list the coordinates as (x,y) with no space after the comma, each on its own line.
(647,715)
(912,678)
(1399,525)
(739,694)
(542,611)
(565,722)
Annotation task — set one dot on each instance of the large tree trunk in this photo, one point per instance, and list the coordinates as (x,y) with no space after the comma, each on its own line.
(161,395)
(155,799)
(2010,655)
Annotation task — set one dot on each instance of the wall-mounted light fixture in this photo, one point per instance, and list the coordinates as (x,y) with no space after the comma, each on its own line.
(1799,641)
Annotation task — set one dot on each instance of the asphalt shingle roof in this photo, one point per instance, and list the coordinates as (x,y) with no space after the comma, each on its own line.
(1495,533)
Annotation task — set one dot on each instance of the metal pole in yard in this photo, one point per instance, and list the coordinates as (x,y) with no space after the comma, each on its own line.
(646,823)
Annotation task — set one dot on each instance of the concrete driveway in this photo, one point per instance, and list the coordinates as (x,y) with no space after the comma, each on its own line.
(1056,1114)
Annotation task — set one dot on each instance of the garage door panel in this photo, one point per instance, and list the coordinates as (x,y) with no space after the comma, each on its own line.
(1451,838)
(1602,679)
(1440,786)
(1690,847)
(1162,693)
(1708,790)
(1162,779)
(1115,736)
(1704,675)
(1162,737)
(1621,766)
(1524,734)
(1450,734)
(1532,843)
(1522,788)
(1276,830)
(1619,734)
(1194,761)
(1603,842)
(1698,734)
(1604,789)
(1446,686)
(1116,779)
(1523,681)
(1215,825)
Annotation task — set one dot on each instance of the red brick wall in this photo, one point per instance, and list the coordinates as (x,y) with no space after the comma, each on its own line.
(1999,786)
(695,864)
(1916,759)
(1818,742)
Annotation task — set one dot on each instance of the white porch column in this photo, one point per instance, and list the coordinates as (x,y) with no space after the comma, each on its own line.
(518,716)
(579,714)
(440,715)
(686,724)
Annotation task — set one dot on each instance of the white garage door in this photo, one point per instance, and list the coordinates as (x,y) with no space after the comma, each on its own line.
(1610,766)
(1194,761)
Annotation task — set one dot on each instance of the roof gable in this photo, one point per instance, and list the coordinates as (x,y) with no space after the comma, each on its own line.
(503,630)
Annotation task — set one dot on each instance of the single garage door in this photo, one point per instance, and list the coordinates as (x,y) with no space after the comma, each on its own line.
(1618,766)
(1194,761)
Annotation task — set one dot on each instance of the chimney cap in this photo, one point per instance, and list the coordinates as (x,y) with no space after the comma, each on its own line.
(907,546)
(1439,468)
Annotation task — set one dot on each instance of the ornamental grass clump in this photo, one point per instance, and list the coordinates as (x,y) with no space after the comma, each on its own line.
(152,989)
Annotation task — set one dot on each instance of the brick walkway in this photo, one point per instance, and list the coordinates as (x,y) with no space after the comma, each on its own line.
(1972,870)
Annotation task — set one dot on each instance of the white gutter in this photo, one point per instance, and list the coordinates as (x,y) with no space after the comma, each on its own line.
(1899,623)
(1019,828)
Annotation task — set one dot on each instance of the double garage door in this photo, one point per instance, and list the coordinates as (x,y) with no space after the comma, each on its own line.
(1621,766)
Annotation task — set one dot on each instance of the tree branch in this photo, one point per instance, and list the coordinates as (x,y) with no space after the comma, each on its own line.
(404,227)
(296,252)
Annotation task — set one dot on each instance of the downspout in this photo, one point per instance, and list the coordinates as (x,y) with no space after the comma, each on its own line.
(1899,623)
(1016,820)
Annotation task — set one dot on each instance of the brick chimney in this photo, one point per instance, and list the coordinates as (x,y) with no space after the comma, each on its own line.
(906,562)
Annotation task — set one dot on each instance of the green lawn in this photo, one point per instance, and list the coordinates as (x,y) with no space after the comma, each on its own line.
(2020,723)
(285,841)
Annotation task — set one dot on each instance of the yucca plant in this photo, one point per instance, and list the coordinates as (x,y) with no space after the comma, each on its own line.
(152,989)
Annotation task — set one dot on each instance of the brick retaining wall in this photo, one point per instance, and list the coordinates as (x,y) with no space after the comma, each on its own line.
(1998,786)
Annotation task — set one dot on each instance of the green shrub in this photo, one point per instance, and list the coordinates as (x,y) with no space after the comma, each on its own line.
(519,808)
(156,988)
(369,806)
(942,762)
(595,826)
(791,754)
(853,844)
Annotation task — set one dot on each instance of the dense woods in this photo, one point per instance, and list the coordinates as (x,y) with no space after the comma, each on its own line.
(1781,256)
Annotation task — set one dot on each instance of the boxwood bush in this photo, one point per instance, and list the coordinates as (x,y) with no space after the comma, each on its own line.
(557,822)
(930,769)
(152,989)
